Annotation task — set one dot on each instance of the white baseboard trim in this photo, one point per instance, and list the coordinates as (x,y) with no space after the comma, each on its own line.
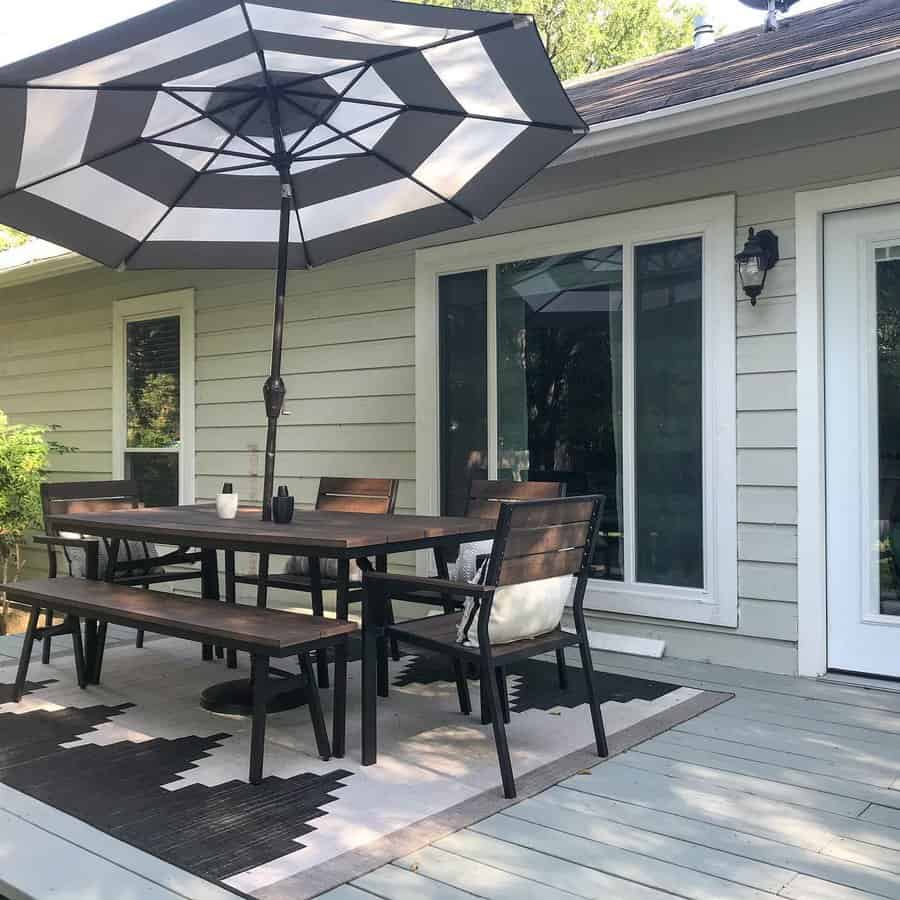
(625,643)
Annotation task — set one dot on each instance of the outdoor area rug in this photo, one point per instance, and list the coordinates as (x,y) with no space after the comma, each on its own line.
(139,759)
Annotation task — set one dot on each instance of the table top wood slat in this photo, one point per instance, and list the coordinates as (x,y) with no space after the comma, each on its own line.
(330,533)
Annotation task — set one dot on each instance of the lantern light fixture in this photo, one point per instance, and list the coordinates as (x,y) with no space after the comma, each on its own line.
(759,256)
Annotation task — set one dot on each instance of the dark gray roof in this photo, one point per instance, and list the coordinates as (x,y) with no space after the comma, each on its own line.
(852,30)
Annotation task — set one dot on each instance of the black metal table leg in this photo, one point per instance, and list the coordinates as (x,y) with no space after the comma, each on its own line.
(230,597)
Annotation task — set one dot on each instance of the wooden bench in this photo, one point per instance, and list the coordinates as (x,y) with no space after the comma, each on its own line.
(263,633)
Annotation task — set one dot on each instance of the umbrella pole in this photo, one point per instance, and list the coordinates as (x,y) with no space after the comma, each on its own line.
(274,391)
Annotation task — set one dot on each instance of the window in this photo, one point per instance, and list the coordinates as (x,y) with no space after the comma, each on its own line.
(154,396)
(599,354)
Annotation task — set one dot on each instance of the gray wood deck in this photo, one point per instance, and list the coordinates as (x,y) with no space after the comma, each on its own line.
(790,790)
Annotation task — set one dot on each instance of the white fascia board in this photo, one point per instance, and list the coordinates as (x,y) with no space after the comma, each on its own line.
(825,87)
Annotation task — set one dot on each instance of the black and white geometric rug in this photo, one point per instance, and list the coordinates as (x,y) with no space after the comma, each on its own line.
(139,759)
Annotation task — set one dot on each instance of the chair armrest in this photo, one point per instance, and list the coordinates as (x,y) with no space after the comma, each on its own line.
(387,580)
(53,540)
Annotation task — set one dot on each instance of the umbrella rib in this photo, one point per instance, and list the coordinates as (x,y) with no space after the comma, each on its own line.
(232,133)
(161,143)
(137,88)
(128,145)
(513,22)
(398,168)
(243,168)
(338,134)
(222,125)
(441,111)
(320,119)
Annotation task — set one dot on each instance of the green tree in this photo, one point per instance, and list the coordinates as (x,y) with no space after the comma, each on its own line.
(11,238)
(583,36)
(24,455)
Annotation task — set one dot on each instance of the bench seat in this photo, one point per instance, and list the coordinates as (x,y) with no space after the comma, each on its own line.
(263,633)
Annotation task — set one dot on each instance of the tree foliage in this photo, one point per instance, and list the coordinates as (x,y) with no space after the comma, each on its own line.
(583,36)
(24,454)
(10,238)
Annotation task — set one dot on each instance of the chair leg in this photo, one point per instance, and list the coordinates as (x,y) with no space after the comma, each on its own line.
(587,665)
(318,608)
(209,588)
(314,701)
(561,669)
(492,694)
(259,674)
(101,646)
(139,639)
(45,650)
(462,686)
(369,687)
(230,597)
(25,658)
(484,700)
(394,643)
(78,649)
(339,723)
(503,690)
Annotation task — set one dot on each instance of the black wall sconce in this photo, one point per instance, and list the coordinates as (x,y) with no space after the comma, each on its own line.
(760,254)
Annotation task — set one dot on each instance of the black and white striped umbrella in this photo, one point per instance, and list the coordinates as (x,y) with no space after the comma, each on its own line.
(275,133)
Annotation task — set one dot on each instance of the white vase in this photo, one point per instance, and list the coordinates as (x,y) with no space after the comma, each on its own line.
(226,506)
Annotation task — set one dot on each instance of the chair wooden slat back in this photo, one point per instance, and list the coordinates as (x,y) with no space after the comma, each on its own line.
(486,497)
(544,539)
(359,495)
(88,496)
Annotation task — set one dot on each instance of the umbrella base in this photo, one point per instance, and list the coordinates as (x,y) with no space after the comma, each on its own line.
(235,698)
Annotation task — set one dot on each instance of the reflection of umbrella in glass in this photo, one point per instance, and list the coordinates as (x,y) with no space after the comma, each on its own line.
(275,133)
(576,283)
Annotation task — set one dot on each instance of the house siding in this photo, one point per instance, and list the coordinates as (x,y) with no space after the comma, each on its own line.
(350,351)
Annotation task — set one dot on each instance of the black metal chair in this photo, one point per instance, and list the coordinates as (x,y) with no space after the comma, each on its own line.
(535,540)
(137,570)
(356,495)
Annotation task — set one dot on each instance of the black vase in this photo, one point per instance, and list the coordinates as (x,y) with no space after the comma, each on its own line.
(283,506)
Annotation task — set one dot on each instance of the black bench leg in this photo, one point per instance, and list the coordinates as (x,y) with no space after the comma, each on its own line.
(587,664)
(492,695)
(315,707)
(462,686)
(78,648)
(339,723)
(561,669)
(90,648)
(504,693)
(369,688)
(318,608)
(259,674)
(230,597)
(25,658)
(45,650)
(209,588)
(101,646)
(139,639)
(381,565)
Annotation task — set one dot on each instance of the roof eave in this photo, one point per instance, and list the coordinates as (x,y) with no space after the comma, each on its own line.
(811,90)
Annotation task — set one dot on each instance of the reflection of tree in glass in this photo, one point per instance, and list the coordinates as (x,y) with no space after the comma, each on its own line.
(153,383)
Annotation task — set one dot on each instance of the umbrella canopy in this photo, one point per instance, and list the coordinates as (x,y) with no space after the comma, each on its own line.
(275,134)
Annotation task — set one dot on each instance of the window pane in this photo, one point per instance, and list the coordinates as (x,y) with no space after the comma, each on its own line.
(463,386)
(668,414)
(153,382)
(559,369)
(888,287)
(157,474)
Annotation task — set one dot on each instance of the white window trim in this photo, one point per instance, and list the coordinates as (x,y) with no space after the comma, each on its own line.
(811,207)
(713,219)
(152,306)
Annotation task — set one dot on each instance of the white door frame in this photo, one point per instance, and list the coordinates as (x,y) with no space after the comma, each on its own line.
(811,207)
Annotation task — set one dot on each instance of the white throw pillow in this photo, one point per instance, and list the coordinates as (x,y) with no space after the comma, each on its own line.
(466,566)
(127,550)
(519,611)
(299,565)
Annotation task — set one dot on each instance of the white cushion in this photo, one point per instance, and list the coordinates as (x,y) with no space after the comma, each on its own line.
(127,550)
(519,611)
(466,566)
(299,565)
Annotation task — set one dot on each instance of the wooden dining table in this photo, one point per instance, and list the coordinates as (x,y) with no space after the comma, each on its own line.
(322,534)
